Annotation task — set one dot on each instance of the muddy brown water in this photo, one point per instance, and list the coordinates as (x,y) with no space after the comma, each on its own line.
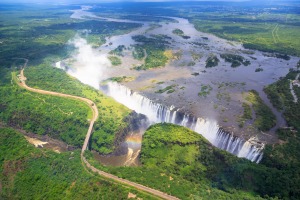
(129,156)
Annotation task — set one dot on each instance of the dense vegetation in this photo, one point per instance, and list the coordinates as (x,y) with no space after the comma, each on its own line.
(280,95)
(258,25)
(118,51)
(175,160)
(180,33)
(115,61)
(272,32)
(282,56)
(112,115)
(265,119)
(259,69)
(285,156)
(247,114)
(235,60)
(38,32)
(155,47)
(46,41)
(212,61)
(138,52)
(30,173)
(60,118)
(182,163)
(169,89)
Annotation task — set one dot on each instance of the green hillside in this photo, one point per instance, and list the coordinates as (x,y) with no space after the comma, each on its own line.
(30,173)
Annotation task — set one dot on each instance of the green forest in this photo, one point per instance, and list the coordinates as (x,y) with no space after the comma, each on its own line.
(155,47)
(174,159)
(184,164)
(43,43)
(271,32)
(63,119)
(281,97)
(265,119)
(39,32)
(112,116)
(30,173)
(257,25)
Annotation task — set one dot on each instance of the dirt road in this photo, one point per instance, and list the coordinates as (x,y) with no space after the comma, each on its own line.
(91,104)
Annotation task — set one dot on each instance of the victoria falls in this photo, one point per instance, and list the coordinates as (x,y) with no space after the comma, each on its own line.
(149,100)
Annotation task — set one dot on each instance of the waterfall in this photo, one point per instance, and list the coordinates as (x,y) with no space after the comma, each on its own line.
(157,113)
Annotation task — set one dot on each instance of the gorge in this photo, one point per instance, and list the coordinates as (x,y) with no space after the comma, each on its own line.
(199,116)
(157,113)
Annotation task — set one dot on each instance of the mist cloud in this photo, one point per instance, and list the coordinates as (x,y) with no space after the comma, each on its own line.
(90,66)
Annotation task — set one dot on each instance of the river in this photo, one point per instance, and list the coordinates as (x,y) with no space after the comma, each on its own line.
(184,106)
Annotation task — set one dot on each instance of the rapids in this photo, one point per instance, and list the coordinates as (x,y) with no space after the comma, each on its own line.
(157,113)
(209,127)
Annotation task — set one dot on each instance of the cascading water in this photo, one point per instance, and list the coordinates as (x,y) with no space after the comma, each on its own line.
(250,149)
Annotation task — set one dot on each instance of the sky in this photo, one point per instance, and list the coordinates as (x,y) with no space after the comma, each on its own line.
(97,1)
(107,1)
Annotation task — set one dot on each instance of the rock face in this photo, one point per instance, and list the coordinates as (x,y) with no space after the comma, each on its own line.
(136,124)
(209,128)
(137,121)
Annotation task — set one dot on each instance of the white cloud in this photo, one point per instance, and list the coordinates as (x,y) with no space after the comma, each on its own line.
(90,66)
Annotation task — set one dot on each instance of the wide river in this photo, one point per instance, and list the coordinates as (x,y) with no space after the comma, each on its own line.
(222,105)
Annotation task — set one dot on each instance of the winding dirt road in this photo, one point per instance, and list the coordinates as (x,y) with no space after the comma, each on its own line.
(91,104)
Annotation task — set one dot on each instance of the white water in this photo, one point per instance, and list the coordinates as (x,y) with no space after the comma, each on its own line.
(89,73)
(158,113)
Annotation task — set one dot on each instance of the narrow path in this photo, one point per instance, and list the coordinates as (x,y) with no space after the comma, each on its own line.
(92,105)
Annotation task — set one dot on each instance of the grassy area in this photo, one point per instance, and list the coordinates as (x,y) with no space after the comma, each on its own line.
(30,173)
(169,89)
(265,119)
(138,52)
(259,26)
(212,61)
(155,47)
(118,51)
(120,79)
(196,56)
(205,90)
(247,114)
(115,61)
(112,115)
(235,60)
(272,32)
(180,33)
